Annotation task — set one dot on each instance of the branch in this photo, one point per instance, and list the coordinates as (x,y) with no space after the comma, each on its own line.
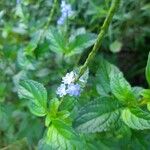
(104,28)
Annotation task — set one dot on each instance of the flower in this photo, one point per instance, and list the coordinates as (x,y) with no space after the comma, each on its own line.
(61,90)
(68,86)
(66,11)
(60,21)
(69,78)
(73,89)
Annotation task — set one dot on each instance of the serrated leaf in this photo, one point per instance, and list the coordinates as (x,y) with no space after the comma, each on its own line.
(59,44)
(116,46)
(36,94)
(81,42)
(148,70)
(136,118)
(103,77)
(97,116)
(60,136)
(120,87)
(57,41)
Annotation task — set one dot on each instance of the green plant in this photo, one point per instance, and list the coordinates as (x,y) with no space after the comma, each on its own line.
(95,107)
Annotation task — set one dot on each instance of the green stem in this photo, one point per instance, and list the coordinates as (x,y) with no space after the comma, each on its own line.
(51,14)
(104,28)
(48,21)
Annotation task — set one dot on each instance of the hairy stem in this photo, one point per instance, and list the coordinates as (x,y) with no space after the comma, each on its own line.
(107,21)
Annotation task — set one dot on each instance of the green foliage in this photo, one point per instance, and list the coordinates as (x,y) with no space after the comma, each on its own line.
(112,111)
(98,116)
(59,42)
(135,118)
(103,76)
(120,87)
(61,136)
(37,94)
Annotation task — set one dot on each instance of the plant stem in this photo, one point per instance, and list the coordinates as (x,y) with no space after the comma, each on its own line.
(48,21)
(104,28)
(51,14)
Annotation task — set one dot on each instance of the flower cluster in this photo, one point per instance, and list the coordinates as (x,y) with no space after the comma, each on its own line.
(68,86)
(66,11)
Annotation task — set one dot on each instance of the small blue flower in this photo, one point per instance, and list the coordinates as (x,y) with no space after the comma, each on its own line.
(69,86)
(61,90)
(66,11)
(73,89)
(61,21)
(69,78)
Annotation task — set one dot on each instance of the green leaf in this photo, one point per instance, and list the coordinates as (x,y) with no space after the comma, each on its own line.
(55,112)
(43,145)
(36,93)
(59,44)
(19,11)
(68,103)
(54,105)
(146,94)
(60,136)
(30,48)
(148,70)
(103,77)
(116,46)
(136,118)
(57,41)
(98,115)
(137,91)
(81,42)
(23,62)
(47,120)
(121,88)
(35,40)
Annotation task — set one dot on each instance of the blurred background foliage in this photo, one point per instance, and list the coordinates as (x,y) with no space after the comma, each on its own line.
(32,47)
